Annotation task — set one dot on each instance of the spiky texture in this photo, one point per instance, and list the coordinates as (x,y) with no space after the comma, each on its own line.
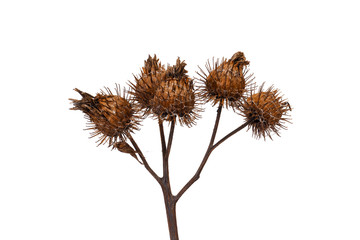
(227,81)
(145,86)
(267,112)
(175,97)
(110,116)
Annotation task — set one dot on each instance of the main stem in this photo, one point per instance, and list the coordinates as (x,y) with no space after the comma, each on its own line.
(169,199)
(170,205)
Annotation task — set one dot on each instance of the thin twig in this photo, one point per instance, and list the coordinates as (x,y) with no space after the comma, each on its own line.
(162,137)
(143,159)
(168,148)
(207,154)
(171,136)
(230,134)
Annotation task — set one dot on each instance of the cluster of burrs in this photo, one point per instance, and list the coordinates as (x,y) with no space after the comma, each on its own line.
(169,94)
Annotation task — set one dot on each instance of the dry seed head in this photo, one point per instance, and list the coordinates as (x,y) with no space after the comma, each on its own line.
(110,116)
(146,84)
(227,81)
(267,111)
(176,97)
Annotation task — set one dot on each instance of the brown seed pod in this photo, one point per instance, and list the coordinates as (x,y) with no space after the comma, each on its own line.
(124,147)
(110,116)
(267,111)
(145,86)
(226,81)
(176,97)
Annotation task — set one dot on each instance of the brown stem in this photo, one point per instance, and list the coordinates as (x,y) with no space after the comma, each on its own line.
(170,206)
(230,134)
(211,148)
(166,157)
(170,203)
(144,159)
(162,137)
(171,136)
(207,154)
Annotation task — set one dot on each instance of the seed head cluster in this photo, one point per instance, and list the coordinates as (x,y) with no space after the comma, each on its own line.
(227,81)
(169,94)
(266,111)
(110,116)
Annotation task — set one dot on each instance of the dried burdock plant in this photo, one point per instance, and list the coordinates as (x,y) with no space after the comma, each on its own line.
(171,95)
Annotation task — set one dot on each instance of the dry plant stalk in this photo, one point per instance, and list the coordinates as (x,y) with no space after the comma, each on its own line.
(170,95)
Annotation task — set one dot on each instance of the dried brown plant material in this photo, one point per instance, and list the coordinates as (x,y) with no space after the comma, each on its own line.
(170,95)
(267,111)
(226,81)
(144,88)
(176,97)
(110,115)
(124,147)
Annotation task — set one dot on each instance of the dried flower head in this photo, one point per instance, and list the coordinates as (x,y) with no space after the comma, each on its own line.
(175,96)
(110,116)
(226,81)
(145,86)
(267,111)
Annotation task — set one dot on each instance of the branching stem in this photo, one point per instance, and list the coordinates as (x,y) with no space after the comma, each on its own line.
(211,147)
(157,178)
(170,204)
(207,154)
(170,199)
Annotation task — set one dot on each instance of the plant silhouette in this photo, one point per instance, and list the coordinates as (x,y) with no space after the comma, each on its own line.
(168,94)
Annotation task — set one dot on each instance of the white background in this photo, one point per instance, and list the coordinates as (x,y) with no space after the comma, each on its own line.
(56,184)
